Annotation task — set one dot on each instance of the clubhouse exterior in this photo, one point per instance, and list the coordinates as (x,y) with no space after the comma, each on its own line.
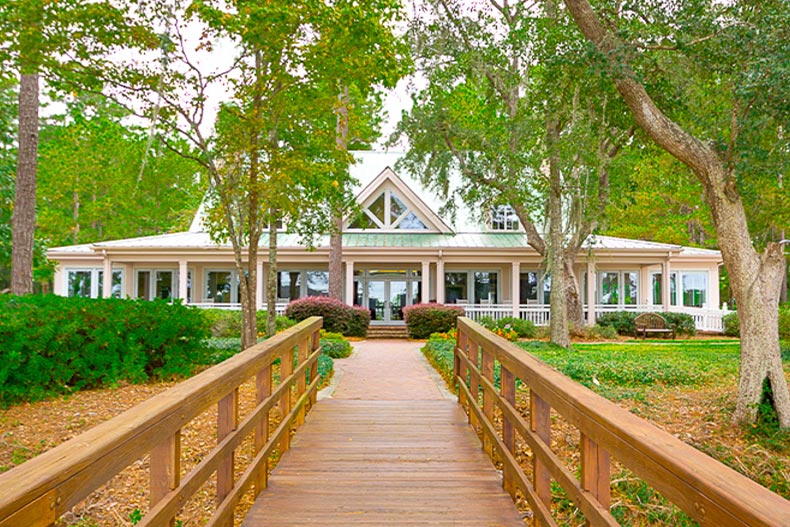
(401,251)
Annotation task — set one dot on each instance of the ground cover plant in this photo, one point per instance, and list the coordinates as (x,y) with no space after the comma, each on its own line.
(685,387)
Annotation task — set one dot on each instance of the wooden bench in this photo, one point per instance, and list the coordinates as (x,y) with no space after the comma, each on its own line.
(652,323)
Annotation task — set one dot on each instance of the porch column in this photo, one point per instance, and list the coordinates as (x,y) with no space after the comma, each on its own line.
(129,281)
(183,280)
(107,281)
(590,293)
(425,285)
(259,284)
(665,283)
(350,282)
(515,286)
(440,280)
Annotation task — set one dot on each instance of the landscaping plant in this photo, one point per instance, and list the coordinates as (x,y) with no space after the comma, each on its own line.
(424,319)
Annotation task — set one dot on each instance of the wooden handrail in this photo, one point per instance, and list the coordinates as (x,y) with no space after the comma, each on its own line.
(38,492)
(708,491)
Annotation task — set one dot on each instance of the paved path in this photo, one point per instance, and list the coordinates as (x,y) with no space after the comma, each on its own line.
(386,449)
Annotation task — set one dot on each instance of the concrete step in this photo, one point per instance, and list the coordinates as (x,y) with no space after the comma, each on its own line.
(387,332)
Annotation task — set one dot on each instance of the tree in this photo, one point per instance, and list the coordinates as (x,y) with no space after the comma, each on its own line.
(505,109)
(355,56)
(738,55)
(66,43)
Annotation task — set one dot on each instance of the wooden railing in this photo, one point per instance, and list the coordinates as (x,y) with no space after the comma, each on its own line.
(38,492)
(709,492)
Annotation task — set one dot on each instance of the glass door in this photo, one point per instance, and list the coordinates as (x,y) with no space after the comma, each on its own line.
(377,300)
(397,299)
(386,292)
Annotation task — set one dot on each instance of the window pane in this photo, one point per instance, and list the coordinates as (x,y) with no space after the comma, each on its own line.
(144,285)
(657,281)
(317,283)
(164,284)
(117,284)
(673,295)
(610,288)
(412,222)
(528,287)
(695,288)
(377,208)
(219,287)
(289,285)
(397,208)
(547,288)
(485,287)
(363,221)
(455,287)
(79,283)
(631,288)
(503,218)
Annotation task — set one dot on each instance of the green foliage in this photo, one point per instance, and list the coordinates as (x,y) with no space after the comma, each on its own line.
(524,329)
(358,327)
(227,322)
(623,322)
(732,326)
(337,348)
(338,316)
(766,429)
(51,345)
(439,352)
(424,319)
(325,366)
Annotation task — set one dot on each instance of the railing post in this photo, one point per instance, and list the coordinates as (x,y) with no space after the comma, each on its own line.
(315,343)
(301,384)
(508,392)
(165,470)
(263,389)
(286,368)
(540,422)
(596,471)
(227,421)
(473,352)
(460,347)
(488,398)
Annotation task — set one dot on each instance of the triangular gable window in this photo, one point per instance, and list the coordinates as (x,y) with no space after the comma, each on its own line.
(388,212)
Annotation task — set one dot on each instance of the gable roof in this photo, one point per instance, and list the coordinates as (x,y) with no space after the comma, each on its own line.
(388,177)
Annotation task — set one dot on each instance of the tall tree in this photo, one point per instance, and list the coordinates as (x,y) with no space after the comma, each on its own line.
(732,59)
(66,43)
(504,108)
(355,57)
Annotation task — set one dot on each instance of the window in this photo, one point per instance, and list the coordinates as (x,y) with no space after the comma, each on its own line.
(388,211)
(695,288)
(484,287)
(528,288)
(289,284)
(503,218)
(618,288)
(293,284)
(159,283)
(657,286)
(219,287)
(89,283)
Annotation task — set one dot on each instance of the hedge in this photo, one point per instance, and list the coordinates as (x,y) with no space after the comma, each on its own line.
(226,323)
(732,324)
(424,319)
(338,317)
(507,326)
(623,322)
(51,345)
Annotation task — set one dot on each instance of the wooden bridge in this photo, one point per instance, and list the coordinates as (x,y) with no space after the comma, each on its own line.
(388,448)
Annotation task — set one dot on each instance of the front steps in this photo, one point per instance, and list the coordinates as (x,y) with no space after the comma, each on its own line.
(387,332)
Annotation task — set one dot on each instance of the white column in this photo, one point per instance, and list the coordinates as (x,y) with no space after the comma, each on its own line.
(515,286)
(440,280)
(261,279)
(665,275)
(350,283)
(591,293)
(183,280)
(128,277)
(645,297)
(107,282)
(425,285)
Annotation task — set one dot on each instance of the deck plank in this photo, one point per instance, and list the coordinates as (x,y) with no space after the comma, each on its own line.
(362,462)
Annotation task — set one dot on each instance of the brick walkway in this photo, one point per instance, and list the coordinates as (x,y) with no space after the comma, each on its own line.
(387,449)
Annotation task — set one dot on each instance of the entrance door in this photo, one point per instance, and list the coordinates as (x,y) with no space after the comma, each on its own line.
(386,294)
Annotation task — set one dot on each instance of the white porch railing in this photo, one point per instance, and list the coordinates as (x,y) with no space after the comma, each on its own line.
(704,319)
(279,307)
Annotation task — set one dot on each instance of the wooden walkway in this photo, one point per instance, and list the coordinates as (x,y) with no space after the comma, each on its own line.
(404,455)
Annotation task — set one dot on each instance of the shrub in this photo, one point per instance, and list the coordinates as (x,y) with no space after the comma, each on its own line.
(337,315)
(525,329)
(424,319)
(226,323)
(731,325)
(51,344)
(595,332)
(732,328)
(623,322)
(359,322)
(337,348)
(683,323)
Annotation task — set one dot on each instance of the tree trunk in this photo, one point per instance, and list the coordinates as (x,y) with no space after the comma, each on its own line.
(754,277)
(23,221)
(336,236)
(558,313)
(574,306)
(271,280)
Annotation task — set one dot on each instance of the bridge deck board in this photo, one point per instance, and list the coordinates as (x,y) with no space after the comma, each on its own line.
(358,462)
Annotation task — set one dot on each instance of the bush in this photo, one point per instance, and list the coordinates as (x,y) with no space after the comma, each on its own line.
(623,322)
(424,319)
(595,332)
(359,322)
(51,344)
(335,346)
(732,327)
(338,317)
(226,323)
